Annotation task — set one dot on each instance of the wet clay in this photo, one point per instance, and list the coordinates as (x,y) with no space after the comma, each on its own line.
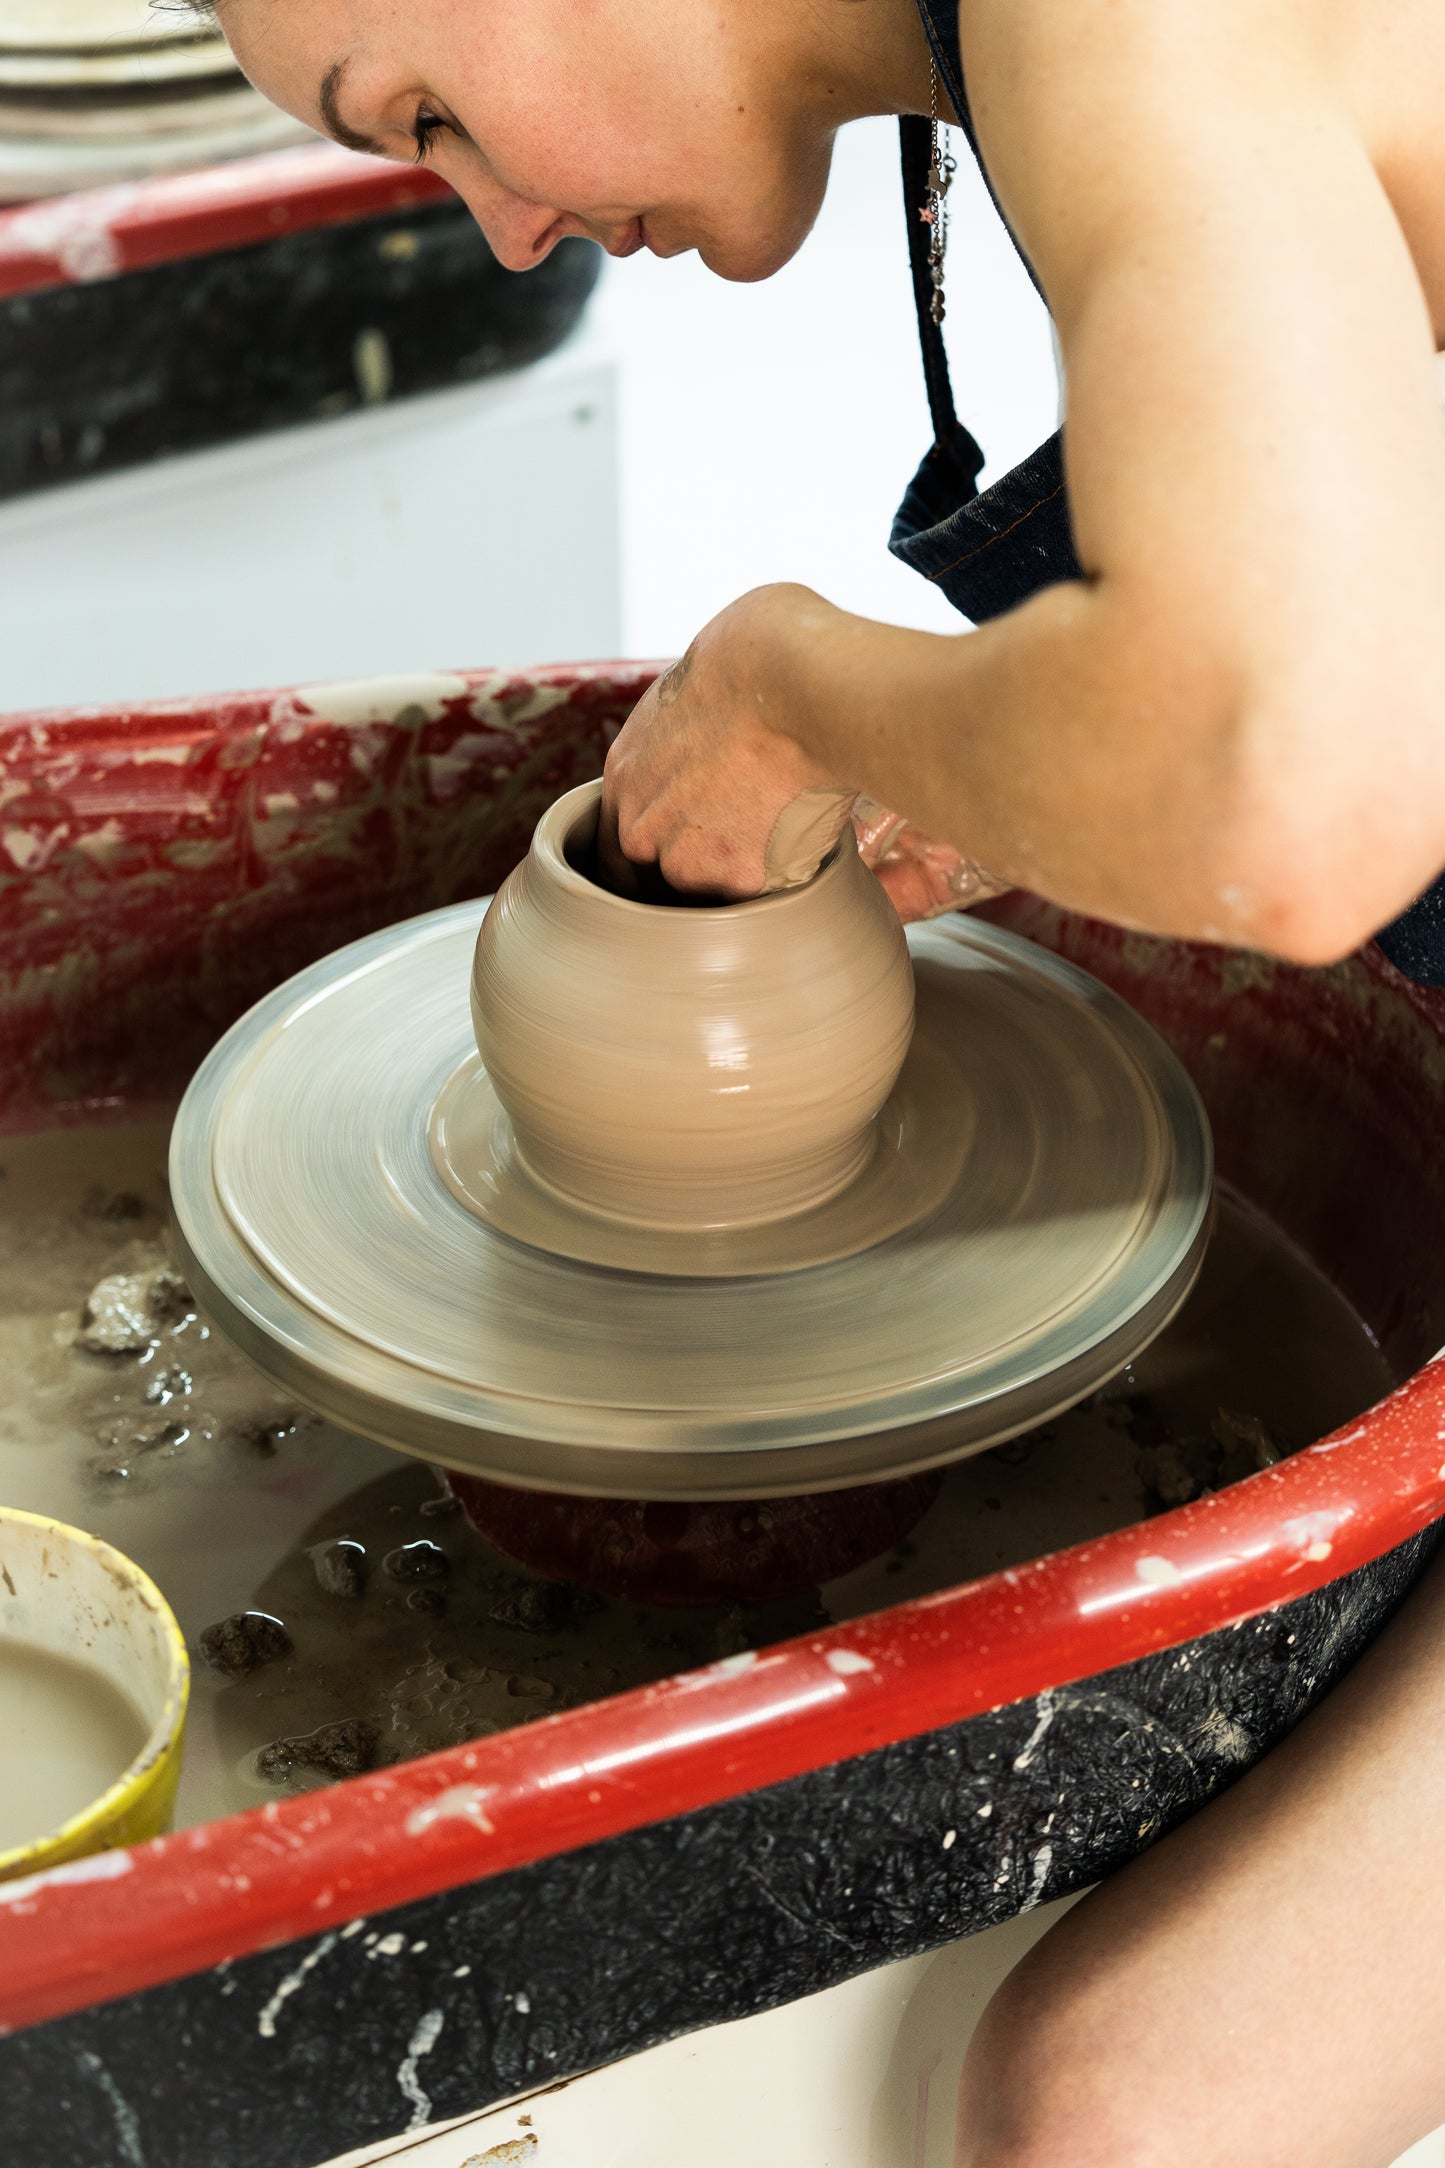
(176,1451)
(689,1070)
(915,1155)
(804,833)
(66,1735)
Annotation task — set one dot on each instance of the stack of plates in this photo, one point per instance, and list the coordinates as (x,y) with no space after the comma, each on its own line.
(93,91)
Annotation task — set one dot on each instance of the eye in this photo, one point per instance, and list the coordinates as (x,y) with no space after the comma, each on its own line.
(425,128)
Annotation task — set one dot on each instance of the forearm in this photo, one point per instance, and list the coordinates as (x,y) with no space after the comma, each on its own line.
(1057,747)
(1271,785)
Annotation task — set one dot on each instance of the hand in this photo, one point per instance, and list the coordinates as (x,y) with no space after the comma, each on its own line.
(922,877)
(704,771)
(705,783)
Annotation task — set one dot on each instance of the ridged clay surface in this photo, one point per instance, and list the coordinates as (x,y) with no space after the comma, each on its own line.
(690,1070)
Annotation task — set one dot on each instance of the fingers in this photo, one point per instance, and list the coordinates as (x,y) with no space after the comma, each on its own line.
(615,870)
(692,826)
(701,862)
(917,893)
(876,829)
(628,867)
(699,787)
(911,893)
(657,855)
(921,877)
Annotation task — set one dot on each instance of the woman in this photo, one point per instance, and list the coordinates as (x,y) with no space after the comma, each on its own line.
(1207,701)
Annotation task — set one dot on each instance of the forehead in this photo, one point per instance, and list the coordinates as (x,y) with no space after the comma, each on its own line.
(287,48)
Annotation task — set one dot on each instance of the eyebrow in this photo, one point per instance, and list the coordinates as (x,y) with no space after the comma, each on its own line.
(353,139)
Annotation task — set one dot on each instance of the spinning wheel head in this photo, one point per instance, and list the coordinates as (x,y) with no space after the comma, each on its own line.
(1032,1208)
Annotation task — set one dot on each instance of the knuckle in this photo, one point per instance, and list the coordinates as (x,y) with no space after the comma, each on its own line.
(700,865)
(633,835)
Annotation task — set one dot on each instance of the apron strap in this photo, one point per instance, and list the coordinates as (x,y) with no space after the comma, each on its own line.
(915,139)
(916,144)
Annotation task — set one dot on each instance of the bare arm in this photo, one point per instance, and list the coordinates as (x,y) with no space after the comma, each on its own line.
(1234,725)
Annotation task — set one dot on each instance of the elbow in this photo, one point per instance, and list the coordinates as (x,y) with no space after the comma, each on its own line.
(1298,924)
(1302,774)
(1296,894)
(1316,849)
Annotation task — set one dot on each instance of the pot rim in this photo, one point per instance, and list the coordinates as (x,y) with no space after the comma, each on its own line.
(155,1763)
(560,822)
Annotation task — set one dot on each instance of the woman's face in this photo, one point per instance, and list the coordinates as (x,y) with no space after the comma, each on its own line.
(665,124)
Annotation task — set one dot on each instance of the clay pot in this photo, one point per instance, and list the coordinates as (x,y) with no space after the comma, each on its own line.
(689,1068)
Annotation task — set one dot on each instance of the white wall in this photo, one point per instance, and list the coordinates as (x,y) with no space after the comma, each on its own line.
(475,525)
(768,432)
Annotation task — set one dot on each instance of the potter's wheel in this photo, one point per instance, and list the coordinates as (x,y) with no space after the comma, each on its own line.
(321,1234)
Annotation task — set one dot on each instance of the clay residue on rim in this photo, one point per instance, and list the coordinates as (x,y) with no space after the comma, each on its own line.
(920,1144)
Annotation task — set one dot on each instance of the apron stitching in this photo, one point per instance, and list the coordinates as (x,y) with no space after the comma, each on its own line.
(1002,535)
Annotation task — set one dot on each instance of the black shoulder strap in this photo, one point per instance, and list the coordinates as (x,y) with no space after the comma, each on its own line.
(915,140)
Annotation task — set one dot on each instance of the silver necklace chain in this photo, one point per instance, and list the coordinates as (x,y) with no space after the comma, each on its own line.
(941,169)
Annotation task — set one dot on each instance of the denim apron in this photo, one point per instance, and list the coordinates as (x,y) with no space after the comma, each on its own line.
(990,549)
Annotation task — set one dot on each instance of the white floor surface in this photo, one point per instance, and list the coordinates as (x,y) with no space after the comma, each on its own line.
(862,2076)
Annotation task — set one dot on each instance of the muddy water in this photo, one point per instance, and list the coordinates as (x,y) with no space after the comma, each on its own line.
(401,1630)
(1263,1358)
(66,1735)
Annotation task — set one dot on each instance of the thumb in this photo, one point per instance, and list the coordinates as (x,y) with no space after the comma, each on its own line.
(804,833)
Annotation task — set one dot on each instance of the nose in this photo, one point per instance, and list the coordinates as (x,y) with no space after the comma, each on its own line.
(519,233)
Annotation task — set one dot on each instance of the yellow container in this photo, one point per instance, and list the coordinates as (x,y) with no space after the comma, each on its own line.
(66,1595)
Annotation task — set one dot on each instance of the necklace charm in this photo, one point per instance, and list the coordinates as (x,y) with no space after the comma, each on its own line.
(934,213)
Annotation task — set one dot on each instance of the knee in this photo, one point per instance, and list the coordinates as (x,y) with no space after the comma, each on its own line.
(1040,2089)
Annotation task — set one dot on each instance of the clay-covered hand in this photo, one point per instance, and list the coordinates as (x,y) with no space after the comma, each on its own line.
(704,781)
(923,877)
(706,784)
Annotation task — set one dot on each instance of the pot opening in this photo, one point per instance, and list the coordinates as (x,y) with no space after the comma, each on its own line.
(640,883)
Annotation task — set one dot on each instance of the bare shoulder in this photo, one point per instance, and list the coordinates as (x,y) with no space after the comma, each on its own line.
(1058,53)
(1087,109)
(1045,75)
(1066,51)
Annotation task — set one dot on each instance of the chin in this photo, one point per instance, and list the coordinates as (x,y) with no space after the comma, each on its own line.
(762,237)
(745,258)
(741,269)
(755,231)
